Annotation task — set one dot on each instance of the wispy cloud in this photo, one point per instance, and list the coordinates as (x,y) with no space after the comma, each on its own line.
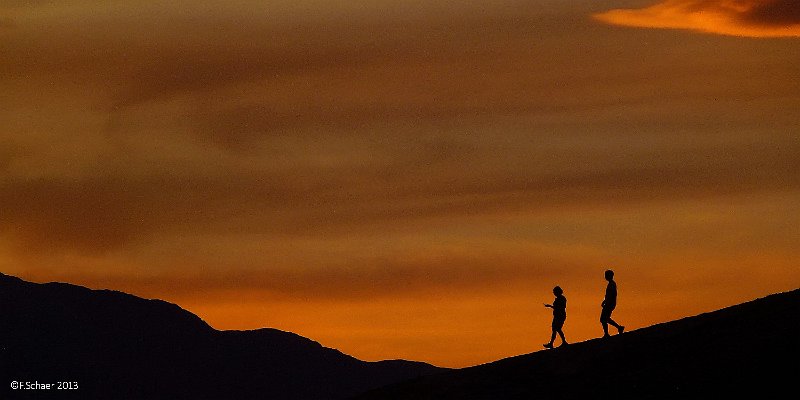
(128,123)
(749,18)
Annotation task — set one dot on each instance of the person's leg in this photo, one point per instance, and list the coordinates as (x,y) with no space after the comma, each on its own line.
(605,315)
(563,339)
(619,327)
(549,345)
(608,319)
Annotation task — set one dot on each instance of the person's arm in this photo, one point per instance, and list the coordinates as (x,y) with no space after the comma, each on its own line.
(548,305)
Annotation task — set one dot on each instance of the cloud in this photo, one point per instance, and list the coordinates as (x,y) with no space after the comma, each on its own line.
(22,4)
(426,181)
(436,270)
(127,123)
(145,51)
(748,18)
(7,23)
(773,13)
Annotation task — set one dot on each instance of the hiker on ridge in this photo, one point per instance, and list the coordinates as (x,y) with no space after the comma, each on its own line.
(608,305)
(559,307)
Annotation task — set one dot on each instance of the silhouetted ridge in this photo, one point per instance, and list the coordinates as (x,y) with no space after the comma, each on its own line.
(750,349)
(119,346)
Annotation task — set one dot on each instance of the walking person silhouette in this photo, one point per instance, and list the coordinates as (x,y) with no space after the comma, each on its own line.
(559,307)
(608,305)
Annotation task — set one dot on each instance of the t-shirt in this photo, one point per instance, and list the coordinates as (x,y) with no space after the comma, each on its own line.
(560,306)
(611,295)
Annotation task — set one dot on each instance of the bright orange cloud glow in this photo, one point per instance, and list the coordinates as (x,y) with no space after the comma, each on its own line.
(745,18)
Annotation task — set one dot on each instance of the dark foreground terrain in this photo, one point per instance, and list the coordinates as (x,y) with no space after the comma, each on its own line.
(745,351)
(118,346)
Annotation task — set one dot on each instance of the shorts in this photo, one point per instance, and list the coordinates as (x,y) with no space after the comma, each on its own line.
(558,322)
(605,315)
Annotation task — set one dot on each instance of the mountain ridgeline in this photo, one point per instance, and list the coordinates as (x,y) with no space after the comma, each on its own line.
(748,350)
(118,346)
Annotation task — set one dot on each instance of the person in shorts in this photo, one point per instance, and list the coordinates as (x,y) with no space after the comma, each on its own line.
(559,307)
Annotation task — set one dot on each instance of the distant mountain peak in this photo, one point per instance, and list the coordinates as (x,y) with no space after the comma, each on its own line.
(117,345)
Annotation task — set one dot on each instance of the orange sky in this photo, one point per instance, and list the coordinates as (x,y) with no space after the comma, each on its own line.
(404,179)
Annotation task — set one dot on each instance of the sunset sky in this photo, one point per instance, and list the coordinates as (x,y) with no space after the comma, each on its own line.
(409,178)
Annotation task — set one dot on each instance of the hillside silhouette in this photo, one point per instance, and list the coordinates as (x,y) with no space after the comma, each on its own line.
(747,350)
(118,346)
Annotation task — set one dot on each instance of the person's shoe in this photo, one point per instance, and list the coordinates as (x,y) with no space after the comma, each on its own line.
(621,329)
(565,344)
(606,335)
(548,345)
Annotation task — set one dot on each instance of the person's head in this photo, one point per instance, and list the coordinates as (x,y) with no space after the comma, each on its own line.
(557,291)
(609,274)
